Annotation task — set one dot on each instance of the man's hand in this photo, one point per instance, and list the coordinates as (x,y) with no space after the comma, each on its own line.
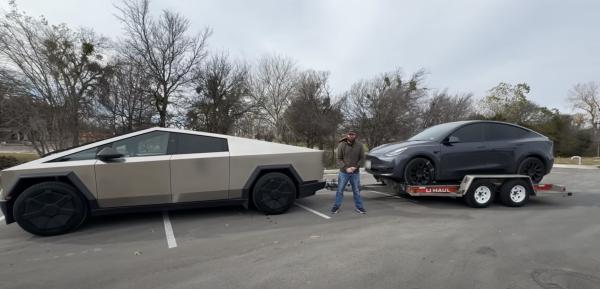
(350,170)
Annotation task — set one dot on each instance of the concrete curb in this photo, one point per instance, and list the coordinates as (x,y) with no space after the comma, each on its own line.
(583,167)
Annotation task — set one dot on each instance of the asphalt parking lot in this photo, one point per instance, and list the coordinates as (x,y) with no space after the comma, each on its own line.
(401,243)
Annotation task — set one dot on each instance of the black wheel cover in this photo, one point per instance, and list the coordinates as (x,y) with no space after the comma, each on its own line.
(419,172)
(534,168)
(47,209)
(274,193)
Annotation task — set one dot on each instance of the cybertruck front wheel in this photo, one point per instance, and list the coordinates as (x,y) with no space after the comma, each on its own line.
(274,193)
(50,208)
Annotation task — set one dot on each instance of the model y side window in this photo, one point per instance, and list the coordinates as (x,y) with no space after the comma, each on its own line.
(193,144)
(496,132)
(149,144)
(469,133)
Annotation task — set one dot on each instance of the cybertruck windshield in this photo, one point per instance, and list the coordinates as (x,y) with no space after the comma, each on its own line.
(436,132)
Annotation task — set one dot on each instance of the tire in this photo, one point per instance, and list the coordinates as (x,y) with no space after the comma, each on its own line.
(515,193)
(50,208)
(480,194)
(532,167)
(274,193)
(419,171)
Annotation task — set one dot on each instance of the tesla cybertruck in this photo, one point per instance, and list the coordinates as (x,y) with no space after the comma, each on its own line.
(155,169)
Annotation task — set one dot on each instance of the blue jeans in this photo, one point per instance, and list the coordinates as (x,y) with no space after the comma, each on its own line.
(343,179)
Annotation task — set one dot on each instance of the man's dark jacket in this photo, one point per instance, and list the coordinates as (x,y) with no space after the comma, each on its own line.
(349,155)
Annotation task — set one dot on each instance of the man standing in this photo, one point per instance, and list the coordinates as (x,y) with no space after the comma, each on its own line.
(350,153)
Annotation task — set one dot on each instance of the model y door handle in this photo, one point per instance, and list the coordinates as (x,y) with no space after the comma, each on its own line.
(480,147)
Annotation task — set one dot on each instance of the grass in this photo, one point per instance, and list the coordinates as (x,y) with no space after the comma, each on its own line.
(584,161)
(22,157)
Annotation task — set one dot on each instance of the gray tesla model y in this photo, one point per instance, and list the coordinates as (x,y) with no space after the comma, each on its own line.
(449,151)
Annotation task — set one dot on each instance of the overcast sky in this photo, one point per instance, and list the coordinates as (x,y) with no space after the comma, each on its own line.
(466,46)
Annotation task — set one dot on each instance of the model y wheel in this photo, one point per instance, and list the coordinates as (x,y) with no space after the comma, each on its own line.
(514,193)
(532,167)
(274,193)
(419,171)
(50,208)
(480,194)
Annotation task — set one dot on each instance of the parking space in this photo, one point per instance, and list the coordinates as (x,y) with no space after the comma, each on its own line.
(399,243)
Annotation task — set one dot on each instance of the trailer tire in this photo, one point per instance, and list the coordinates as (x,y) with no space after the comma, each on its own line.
(480,194)
(515,193)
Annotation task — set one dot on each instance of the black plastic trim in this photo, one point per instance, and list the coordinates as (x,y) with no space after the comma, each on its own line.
(254,176)
(6,207)
(71,176)
(310,188)
(166,206)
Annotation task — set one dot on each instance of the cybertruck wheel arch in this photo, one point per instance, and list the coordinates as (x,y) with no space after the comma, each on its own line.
(26,180)
(260,170)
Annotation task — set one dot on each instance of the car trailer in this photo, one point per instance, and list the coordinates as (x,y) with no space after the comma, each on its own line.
(479,191)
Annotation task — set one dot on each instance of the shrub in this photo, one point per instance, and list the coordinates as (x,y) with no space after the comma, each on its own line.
(8,161)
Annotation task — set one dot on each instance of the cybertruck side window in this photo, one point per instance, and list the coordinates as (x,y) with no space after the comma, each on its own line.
(470,133)
(88,154)
(498,132)
(194,144)
(154,143)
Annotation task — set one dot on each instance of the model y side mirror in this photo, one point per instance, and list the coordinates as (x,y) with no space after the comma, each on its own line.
(108,153)
(451,139)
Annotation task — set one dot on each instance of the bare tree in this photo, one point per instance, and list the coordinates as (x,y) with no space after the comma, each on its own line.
(585,97)
(442,107)
(389,102)
(14,97)
(273,86)
(223,95)
(508,102)
(61,67)
(125,102)
(163,47)
(312,115)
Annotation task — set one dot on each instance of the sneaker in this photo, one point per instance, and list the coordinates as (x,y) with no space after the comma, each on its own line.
(335,209)
(361,210)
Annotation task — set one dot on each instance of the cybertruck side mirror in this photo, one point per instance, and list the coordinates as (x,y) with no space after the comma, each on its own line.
(108,153)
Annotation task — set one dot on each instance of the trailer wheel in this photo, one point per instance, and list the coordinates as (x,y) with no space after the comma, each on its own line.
(515,193)
(480,194)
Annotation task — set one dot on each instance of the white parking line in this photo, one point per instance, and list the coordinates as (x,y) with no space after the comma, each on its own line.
(171,242)
(313,211)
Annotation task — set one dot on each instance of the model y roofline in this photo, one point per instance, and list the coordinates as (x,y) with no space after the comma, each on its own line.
(465,122)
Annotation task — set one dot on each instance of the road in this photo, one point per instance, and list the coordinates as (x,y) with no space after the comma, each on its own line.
(400,243)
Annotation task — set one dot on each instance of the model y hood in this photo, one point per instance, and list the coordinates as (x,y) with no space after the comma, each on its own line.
(386,148)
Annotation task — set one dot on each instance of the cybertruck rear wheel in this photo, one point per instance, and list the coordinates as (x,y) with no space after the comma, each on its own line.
(50,208)
(274,193)
(532,167)
(419,171)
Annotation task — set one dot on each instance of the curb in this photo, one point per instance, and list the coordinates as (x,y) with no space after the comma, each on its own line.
(584,167)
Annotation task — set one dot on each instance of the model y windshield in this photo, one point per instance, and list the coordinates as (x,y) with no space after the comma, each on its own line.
(437,132)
